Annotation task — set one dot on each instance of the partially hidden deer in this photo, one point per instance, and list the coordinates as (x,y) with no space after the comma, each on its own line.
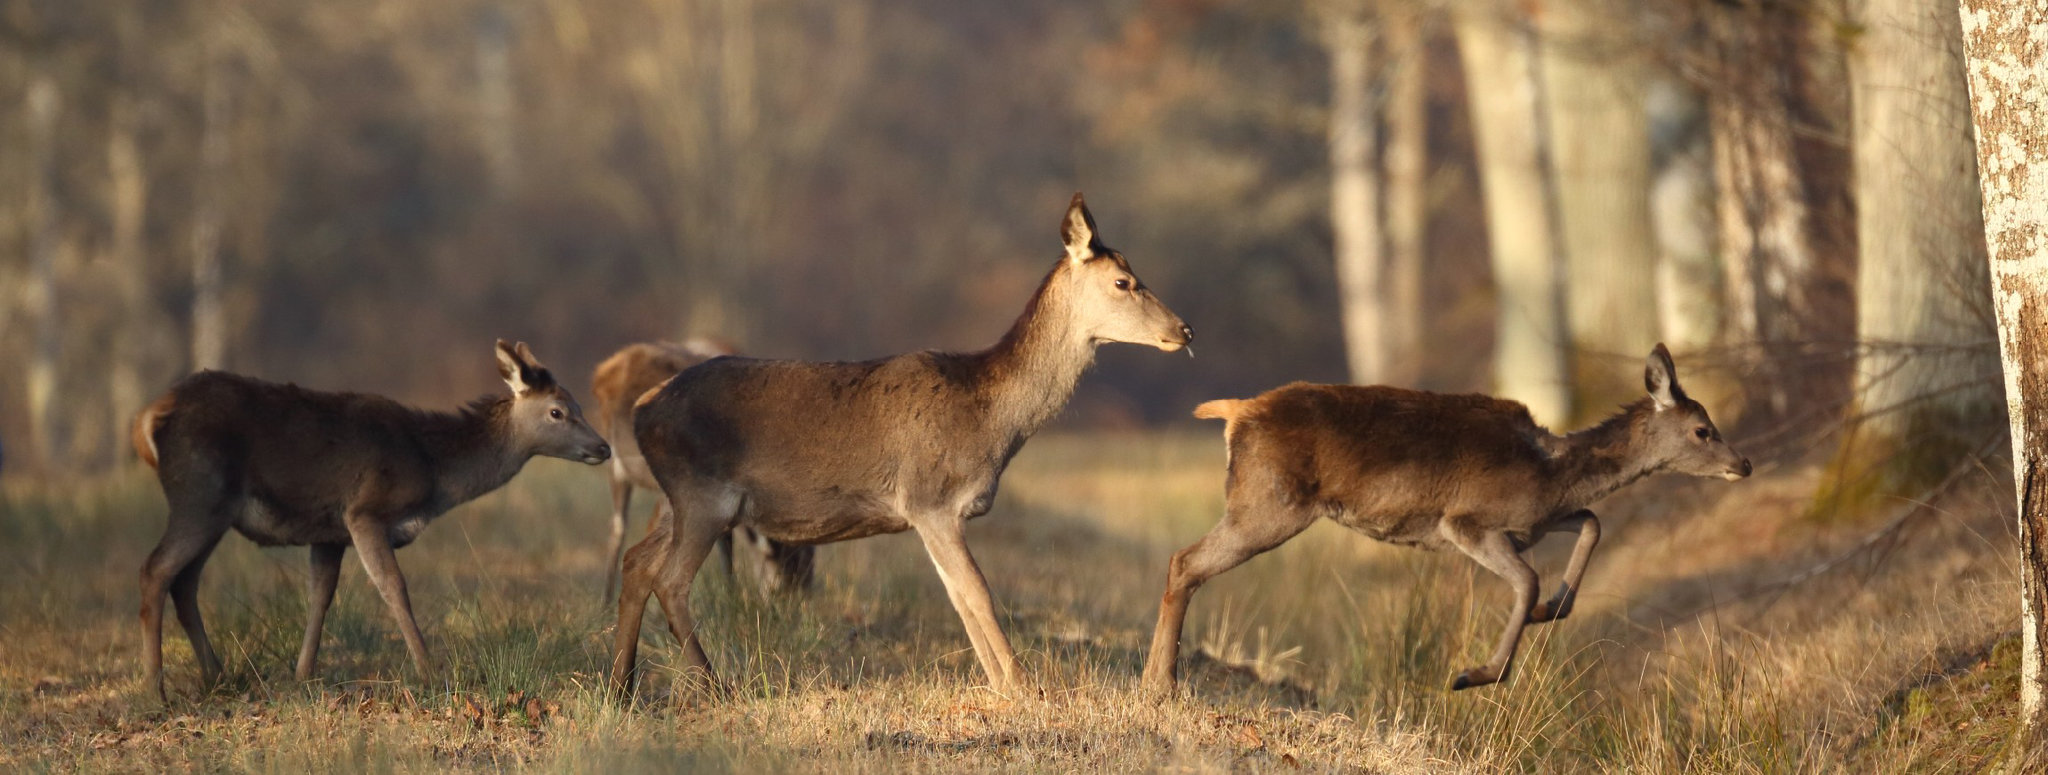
(619,382)
(1468,472)
(810,453)
(287,466)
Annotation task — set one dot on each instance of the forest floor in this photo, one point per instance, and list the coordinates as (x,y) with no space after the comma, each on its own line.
(1719,631)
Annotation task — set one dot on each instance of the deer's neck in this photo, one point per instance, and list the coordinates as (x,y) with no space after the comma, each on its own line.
(1030,374)
(1597,461)
(471,450)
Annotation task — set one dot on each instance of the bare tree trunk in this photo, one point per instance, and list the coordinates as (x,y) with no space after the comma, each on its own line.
(741,170)
(1354,195)
(1531,348)
(209,310)
(128,188)
(497,115)
(41,301)
(1926,374)
(1407,186)
(1600,141)
(2008,74)
(1689,298)
(1761,202)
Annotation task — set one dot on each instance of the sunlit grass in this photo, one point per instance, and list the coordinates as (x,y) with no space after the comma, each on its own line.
(1331,653)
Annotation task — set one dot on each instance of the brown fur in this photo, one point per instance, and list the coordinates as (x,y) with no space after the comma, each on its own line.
(1470,472)
(620,384)
(818,452)
(287,466)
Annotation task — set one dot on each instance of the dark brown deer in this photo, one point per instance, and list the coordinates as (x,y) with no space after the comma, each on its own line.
(809,453)
(620,381)
(1470,472)
(287,466)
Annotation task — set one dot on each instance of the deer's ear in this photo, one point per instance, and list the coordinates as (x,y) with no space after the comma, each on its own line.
(1077,231)
(1660,377)
(509,368)
(520,370)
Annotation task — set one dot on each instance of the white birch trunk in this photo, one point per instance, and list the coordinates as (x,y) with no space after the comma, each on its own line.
(1922,312)
(209,307)
(1530,347)
(1600,143)
(1689,298)
(128,193)
(1407,188)
(2006,47)
(1354,196)
(42,101)
(496,101)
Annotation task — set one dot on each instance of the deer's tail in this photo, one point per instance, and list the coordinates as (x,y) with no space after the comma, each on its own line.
(1225,409)
(144,433)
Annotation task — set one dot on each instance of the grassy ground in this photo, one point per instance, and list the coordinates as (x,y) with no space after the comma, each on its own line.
(1717,633)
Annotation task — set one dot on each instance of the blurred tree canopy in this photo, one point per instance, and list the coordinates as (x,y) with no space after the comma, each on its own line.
(364,195)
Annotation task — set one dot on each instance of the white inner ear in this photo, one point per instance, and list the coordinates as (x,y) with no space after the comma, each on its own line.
(509,367)
(1663,398)
(1079,237)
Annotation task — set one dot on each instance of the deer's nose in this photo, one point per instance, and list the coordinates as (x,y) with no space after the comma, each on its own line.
(1745,467)
(605,451)
(1187,334)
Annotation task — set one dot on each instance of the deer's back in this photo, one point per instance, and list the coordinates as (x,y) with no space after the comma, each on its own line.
(1387,461)
(292,459)
(828,451)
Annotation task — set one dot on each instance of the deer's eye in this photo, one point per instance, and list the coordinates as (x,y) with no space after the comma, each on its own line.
(1123,284)
(1701,433)
(556,414)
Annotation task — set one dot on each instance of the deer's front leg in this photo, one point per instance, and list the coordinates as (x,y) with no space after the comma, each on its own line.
(1493,549)
(947,543)
(381,562)
(1560,606)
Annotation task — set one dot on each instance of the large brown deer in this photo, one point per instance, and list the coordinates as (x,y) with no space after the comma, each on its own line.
(810,453)
(287,466)
(1469,472)
(616,384)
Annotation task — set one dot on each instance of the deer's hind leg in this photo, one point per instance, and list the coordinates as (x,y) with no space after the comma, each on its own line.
(622,499)
(1249,528)
(666,564)
(1494,550)
(323,568)
(196,525)
(1560,606)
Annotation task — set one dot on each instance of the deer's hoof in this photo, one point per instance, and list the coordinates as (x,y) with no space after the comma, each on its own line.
(1478,676)
(1546,612)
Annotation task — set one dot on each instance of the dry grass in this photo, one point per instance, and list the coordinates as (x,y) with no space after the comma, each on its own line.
(1330,654)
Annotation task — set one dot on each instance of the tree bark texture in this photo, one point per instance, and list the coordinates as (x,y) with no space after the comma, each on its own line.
(2006,52)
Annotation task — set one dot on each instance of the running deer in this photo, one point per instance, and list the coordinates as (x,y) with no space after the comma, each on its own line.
(1424,469)
(810,453)
(616,385)
(287,466)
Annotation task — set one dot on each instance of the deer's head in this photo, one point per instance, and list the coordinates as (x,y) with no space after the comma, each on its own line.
(1108,301)
(1678,430)
(544,419)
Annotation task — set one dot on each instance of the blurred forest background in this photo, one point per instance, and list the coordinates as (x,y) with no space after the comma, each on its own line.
(1518,197)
